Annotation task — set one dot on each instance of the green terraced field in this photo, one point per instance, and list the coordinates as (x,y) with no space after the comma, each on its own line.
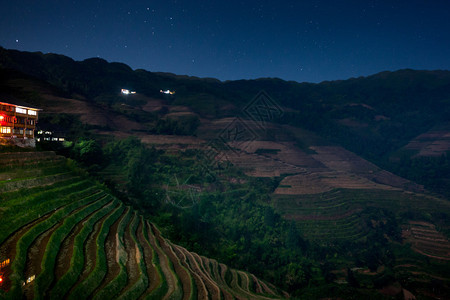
(338,214)
(66,237)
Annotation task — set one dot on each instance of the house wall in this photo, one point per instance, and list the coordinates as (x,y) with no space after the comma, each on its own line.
(17,121)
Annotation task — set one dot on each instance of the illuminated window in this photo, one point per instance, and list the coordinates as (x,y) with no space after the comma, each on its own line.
(5,130)
(4,263)
(21,110)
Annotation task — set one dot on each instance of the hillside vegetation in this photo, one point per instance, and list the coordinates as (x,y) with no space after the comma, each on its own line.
(338,189)
(72,239)
(374,116)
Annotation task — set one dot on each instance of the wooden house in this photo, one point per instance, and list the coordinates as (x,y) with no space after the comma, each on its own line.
(17,120)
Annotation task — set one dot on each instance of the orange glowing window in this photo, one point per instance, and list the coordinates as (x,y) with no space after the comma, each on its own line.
(4,263)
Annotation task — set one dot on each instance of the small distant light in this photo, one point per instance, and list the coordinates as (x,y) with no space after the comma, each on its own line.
(167,92)
(31,278)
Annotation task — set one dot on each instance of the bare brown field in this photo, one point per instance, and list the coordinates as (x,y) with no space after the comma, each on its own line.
(339,159)
(330,167)
(259,165)
(432,143)
(152,105)
(427,240)
(170,139)
(321,182)
(335,217)
(88,113)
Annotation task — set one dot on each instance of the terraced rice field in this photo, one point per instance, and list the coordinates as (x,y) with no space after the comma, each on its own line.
(336,214)
(432,143)
(322,169)
(426,240)
(63,236)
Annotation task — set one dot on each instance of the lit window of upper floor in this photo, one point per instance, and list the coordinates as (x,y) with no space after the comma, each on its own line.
(21,110)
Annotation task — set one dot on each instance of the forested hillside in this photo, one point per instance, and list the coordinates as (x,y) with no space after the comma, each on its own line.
(337,189)
(73,239)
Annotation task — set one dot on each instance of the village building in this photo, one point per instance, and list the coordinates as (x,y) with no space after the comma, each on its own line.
(17,122)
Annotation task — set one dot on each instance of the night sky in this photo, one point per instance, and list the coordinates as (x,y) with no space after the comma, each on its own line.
(293,40)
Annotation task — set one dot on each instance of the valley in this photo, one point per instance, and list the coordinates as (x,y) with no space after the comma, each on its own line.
(331,190)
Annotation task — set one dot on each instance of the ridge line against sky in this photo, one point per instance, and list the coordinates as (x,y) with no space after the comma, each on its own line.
(226,80)
(304,41)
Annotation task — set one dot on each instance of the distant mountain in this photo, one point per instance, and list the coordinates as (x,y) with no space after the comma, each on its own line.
(334,188)
(374,116)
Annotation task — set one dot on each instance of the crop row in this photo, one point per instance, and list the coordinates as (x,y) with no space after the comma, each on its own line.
(109,251)
(114,286)
(333,214)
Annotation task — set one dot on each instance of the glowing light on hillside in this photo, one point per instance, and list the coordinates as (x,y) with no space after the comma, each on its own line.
(30,279)
(167,92)
(127,92)
(4,263)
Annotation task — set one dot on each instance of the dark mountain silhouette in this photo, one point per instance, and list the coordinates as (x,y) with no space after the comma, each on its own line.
(345,182)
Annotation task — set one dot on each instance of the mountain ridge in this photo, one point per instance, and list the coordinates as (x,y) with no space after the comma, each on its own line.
(319,176)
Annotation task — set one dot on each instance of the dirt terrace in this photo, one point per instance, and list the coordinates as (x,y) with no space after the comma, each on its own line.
(432,143)
(427,240)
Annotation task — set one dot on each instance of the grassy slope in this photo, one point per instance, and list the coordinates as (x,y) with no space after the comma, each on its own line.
(68,205)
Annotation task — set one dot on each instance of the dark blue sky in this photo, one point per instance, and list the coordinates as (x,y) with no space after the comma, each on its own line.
(293,40)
